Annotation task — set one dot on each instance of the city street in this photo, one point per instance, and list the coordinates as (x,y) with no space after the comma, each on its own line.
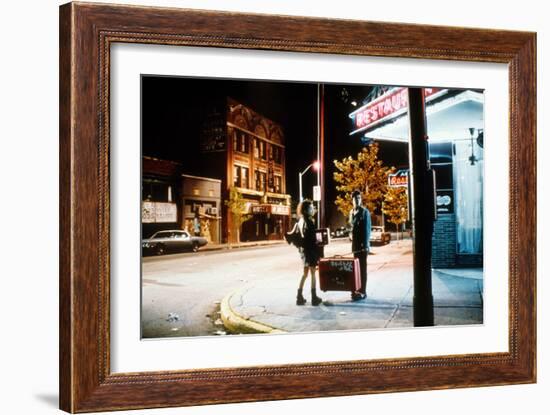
(181,292)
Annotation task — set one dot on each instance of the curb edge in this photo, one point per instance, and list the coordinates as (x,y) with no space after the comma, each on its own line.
(237,324)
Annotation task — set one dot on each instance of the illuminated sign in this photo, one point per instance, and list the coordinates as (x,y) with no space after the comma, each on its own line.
(444,201)
(272,209)
(399,179)
(384,107)
(280,210)
(260,209)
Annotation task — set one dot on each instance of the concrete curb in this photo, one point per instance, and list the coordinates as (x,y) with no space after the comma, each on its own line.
(226,247)
(466,275)
(237,324)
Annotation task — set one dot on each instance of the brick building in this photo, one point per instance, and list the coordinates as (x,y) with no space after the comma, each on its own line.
(246,150)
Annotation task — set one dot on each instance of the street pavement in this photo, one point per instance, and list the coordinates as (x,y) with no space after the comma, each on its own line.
(181,293)
(256,290)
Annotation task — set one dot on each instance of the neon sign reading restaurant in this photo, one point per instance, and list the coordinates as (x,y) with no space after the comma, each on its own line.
(383,107)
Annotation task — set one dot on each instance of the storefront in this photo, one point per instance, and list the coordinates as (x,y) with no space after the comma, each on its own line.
(201,206)
(455,126)
(267,221)
(172,200)
(159,195)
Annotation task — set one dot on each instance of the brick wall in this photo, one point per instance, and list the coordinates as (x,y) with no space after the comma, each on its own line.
(469,260)
(444,242)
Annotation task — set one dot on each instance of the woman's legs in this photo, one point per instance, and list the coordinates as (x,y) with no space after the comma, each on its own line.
(313,282)
(300,300)
(303,280)
(314,299)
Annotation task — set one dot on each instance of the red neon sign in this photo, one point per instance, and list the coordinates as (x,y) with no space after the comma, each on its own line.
(384,106)
(398,180)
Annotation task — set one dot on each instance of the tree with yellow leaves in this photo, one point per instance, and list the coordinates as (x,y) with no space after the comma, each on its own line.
(365,173)
(237,208)
(396,205)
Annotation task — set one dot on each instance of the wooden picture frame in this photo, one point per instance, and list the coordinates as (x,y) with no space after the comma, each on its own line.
(86,33)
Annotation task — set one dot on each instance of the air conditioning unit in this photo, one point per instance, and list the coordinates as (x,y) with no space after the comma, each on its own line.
(213,211)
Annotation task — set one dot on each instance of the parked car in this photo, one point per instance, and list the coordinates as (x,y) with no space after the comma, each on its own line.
(340,232)
(379,236)
(172,241)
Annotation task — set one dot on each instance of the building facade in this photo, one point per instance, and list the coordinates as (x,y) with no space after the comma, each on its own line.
(455,121)
(246,151)
(172,200)
(201,206)
(159,196)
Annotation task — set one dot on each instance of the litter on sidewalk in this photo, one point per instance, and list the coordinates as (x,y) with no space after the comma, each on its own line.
(172,317)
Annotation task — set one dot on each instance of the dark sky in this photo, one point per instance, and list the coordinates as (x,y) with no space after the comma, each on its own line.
(172,108)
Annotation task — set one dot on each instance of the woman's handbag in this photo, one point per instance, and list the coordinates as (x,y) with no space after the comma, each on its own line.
(295,237)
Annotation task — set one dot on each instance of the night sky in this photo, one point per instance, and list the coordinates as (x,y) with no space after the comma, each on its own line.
(172,109)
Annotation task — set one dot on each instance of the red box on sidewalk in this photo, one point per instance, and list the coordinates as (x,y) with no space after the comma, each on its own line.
(339,274)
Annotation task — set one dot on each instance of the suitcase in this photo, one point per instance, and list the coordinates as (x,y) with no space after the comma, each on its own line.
(339,274)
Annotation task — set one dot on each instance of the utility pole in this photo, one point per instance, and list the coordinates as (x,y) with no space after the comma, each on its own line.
(320,153)
(321,157)
(423,211)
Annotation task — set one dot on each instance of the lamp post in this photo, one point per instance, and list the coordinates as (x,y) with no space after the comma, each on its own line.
(315,166)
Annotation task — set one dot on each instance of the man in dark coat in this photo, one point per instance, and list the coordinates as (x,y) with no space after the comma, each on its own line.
(360,222)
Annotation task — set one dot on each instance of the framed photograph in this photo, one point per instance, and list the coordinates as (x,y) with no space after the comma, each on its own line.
(260,207)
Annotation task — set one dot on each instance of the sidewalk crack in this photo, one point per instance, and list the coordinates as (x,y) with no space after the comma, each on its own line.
(393,314)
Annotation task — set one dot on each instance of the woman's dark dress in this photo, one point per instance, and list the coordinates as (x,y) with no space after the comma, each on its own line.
(309,251)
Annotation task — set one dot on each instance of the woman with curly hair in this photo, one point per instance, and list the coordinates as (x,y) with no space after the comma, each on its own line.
(309,251)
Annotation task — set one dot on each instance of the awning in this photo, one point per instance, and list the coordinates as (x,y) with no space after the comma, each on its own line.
(450,115)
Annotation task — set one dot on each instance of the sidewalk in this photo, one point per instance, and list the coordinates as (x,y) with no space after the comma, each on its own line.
(217,247)
(458,300)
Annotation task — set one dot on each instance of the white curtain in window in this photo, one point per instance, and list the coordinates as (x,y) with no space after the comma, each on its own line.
(468,184)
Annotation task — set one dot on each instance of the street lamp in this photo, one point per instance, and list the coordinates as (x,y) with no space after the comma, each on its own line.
(316,165)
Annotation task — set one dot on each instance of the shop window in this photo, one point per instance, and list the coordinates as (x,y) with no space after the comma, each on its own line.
(468,185)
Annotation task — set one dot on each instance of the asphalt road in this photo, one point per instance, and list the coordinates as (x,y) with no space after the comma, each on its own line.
(181,293)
